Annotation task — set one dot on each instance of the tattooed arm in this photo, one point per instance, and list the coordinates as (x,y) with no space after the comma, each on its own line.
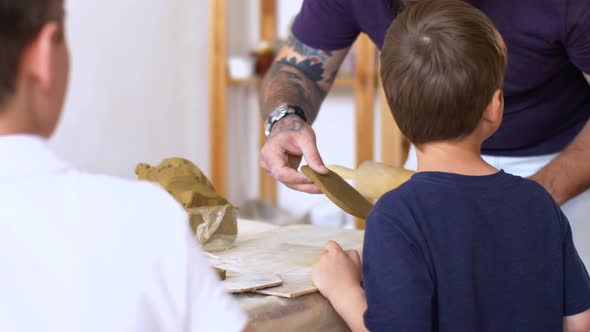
(300,76)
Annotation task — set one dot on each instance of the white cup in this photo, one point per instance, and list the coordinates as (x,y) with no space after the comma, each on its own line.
(241,67)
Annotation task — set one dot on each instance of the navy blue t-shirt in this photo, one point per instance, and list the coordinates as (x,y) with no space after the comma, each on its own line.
(448,252)
(547,99)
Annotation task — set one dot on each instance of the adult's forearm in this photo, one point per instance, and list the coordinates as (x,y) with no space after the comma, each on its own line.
(301,76)
(569,174)
(286,84)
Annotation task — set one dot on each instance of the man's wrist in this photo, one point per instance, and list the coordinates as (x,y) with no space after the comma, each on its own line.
(280,113)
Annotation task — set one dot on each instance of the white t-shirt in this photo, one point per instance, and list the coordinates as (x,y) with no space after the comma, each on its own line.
(81,252)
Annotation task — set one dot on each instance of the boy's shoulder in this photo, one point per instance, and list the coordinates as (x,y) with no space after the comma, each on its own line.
(437,189)
(428,182)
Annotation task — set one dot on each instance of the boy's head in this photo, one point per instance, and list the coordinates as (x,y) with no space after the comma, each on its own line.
(443,65)
(34,65)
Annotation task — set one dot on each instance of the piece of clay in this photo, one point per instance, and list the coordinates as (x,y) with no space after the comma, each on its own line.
(183,180)
(222,274)
(374,179)
(212,217)
(340,192)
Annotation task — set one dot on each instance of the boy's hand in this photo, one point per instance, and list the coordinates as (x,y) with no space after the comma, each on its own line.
(337,272)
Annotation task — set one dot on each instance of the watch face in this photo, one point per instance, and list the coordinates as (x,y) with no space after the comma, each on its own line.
(275,116)
(281,113)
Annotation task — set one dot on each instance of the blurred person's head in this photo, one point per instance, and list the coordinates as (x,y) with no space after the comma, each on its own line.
(443,65)
(34,66)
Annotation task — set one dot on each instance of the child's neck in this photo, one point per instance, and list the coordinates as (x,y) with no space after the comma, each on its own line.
(459,157)
(15,120)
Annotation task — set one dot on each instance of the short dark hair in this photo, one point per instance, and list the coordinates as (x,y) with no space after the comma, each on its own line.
(20,22)
(441,62)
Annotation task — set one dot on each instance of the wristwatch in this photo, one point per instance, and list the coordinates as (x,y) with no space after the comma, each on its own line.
(281,112)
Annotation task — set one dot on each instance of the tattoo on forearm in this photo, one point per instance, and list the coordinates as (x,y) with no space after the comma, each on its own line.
(313,71)
(300,77)
(289,124)
(289,82)
(314,54)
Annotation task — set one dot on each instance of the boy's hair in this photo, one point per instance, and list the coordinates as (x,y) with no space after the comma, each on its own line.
(20,22)
(442,61)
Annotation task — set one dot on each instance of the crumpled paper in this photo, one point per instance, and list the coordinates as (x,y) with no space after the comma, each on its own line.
(212,218)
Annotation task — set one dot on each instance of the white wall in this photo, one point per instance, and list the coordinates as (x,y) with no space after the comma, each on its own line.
(139,93)
(138,88)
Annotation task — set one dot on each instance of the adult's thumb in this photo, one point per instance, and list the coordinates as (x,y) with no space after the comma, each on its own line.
(313,158)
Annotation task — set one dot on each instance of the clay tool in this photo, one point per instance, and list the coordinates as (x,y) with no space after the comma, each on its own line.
(374,179)
(340,192)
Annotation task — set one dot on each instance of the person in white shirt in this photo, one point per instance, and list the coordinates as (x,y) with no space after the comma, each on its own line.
(82,252)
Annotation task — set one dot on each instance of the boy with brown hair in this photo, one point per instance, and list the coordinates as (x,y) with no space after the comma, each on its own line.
(78,251)
(461,246)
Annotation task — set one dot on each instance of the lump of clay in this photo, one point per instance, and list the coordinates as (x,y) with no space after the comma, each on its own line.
(212,218)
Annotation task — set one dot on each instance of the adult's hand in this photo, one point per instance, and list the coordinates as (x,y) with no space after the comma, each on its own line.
(290,140)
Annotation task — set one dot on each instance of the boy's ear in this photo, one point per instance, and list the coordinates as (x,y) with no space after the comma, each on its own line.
(36,59)
(493,113)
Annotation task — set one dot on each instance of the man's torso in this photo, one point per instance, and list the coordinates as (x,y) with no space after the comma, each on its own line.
(547,99)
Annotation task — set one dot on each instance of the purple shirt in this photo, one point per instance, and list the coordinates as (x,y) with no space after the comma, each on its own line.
(547,98)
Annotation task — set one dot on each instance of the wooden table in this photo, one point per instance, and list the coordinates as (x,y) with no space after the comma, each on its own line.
(308,313)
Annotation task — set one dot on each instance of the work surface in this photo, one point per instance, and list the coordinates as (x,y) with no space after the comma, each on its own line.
(308,312)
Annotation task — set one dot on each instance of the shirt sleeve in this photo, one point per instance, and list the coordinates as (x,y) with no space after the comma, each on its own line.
(577,39)
(210,307)
(326,24)
(576,281)
(397,282)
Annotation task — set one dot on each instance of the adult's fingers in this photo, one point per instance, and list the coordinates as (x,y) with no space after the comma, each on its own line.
(290,176)
(306,188)
(312,156)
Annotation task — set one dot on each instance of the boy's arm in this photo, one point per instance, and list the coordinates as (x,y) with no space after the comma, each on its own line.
(398,287)
(351,308)
(344,292)
(577,323)
(576,283)
(396,277)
